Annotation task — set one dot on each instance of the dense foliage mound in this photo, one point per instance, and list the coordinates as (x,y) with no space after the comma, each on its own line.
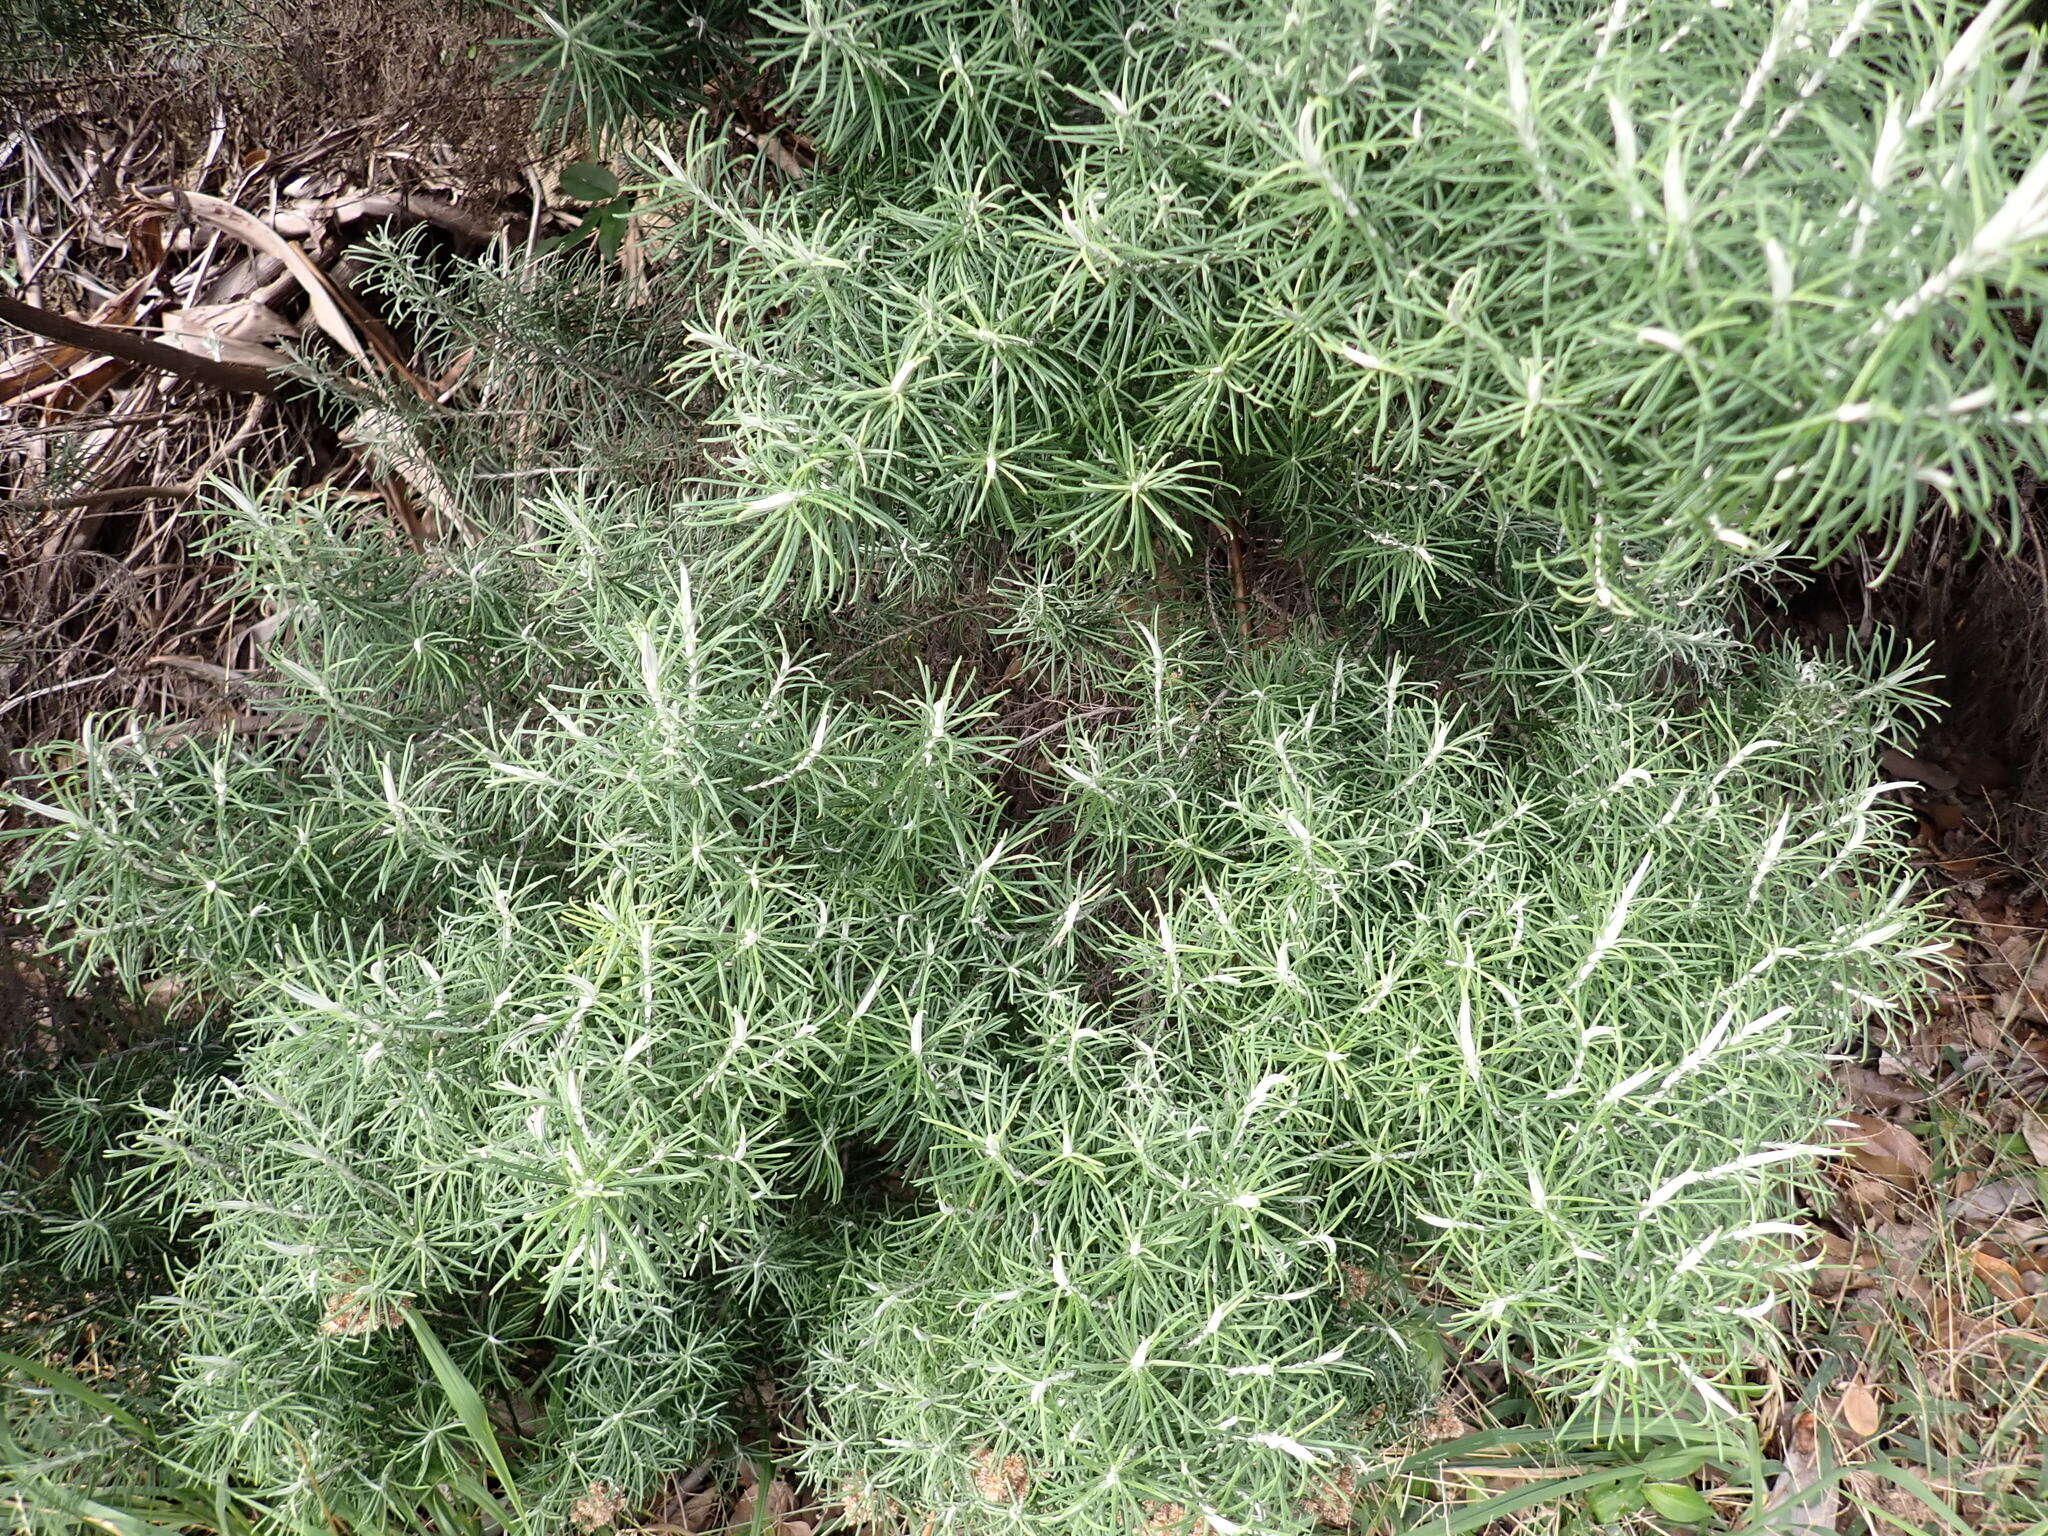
(1675,279)
(579,1020)
(859,906)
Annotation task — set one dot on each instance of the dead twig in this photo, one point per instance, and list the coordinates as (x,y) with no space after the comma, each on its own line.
(1094,712)
(242,378)
(112,496)
(10,705)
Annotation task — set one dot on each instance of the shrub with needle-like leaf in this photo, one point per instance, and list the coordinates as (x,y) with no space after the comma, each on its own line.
(1680,279)
(580,1002)
(660,938)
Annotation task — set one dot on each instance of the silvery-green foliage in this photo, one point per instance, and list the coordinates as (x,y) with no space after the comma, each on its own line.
(1549,1028)
(1688,282)
(1095,1061)
(629,991)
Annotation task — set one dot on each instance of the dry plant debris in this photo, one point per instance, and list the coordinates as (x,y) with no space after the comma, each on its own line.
(1924,1358)
(217,226)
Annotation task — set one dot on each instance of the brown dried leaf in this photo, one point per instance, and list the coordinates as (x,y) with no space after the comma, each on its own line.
(2035,1129)
(701,1509)
(38,365)
(193,666)
(390,441)
(238,332)
(1860,1411)
(257,235)
(769,1504)
(1904,1246)
(167,990)
(1987,1202)
(1900,765)
(2019,977)
(2003,1281)
(1843,1265)
(242,319)
(1802,1503)
(1875,1091)
(742,1514)
(1885,1150)
(1869,1200)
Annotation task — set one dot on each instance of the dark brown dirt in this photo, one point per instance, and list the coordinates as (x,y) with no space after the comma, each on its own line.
(1980,615)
